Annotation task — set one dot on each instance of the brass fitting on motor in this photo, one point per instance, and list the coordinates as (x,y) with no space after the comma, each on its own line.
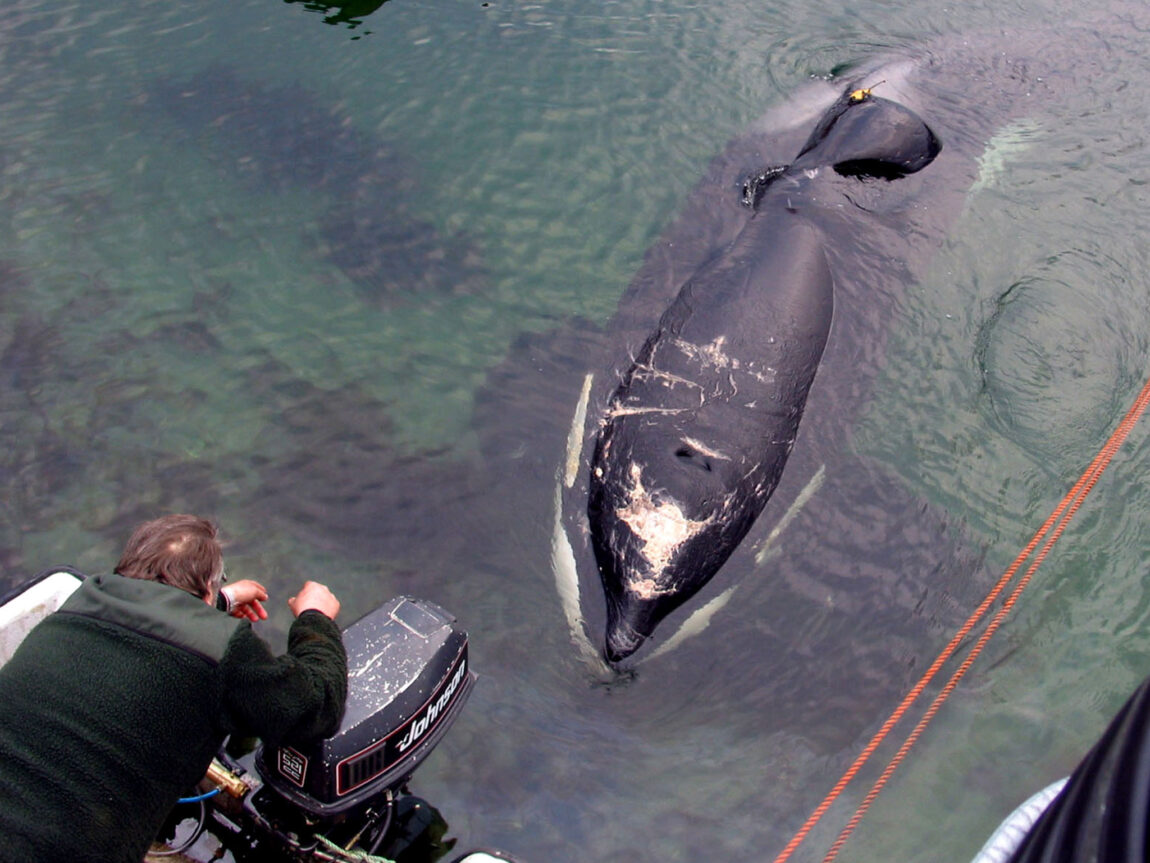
(228,781)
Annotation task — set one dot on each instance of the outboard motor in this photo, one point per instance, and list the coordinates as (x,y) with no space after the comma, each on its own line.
(408,679)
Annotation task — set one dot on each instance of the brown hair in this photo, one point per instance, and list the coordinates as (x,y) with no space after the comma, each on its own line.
(180,550)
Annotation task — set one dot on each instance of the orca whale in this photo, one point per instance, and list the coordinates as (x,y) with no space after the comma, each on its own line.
(866,172)
(697,433)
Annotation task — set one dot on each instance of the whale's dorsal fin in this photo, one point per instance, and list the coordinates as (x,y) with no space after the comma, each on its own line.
(863,135)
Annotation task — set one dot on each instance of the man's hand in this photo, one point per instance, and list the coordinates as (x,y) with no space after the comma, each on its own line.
(314,596)
(247,598)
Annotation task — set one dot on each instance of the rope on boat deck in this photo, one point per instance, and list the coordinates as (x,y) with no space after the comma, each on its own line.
(350,853)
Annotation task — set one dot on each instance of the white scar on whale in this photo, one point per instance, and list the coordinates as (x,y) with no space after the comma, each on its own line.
(701,617)
(565,569)
(662,527)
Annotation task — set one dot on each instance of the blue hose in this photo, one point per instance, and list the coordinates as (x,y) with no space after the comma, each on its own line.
(199,797)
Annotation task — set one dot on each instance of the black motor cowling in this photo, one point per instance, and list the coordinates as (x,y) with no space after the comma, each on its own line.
(408,678)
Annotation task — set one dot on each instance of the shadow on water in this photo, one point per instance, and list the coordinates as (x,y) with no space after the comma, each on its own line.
(328,471)
(278,140)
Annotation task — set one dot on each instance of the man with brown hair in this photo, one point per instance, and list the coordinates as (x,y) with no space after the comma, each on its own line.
(114,706)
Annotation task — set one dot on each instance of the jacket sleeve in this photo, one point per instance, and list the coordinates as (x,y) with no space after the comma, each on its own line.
(293,698)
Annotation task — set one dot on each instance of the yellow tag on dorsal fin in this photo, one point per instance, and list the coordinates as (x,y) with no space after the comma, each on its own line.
(863,93)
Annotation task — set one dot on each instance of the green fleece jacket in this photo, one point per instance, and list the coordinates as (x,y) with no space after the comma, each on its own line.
(113,707)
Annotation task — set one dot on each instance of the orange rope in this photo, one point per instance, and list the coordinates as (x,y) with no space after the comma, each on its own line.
(1058,520)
